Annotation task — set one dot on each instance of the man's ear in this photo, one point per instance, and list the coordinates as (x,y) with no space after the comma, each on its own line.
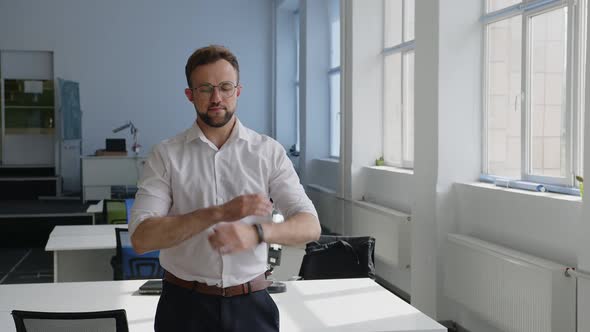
(239,90)
(189,94)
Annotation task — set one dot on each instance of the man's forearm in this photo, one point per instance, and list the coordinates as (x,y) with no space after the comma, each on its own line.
(164,232)
(297,229)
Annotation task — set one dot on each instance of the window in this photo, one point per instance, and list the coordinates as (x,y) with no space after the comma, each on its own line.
(398,83)
(533,91)
(297,108)
(334,79)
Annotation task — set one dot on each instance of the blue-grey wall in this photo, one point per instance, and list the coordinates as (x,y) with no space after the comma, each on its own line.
(129,57)
(314,92)
(286,44)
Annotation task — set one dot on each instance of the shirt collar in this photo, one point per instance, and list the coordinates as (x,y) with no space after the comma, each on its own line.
(238,132)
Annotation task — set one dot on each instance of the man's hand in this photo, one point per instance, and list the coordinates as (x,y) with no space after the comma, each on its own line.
(246,205)
(233,237)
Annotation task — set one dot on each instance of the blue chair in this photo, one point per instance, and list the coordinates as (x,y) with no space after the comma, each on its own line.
(128,205)
(127,264)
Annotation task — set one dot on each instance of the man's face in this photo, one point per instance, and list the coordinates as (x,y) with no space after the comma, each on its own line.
(214,106)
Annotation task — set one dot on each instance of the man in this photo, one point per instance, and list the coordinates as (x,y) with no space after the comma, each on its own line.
(204,201)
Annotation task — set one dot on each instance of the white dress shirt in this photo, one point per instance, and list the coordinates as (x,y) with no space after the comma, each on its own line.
(188,172)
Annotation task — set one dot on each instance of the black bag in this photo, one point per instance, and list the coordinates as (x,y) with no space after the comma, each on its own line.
(334,257)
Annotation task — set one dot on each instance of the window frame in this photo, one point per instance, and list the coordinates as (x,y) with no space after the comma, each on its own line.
(403,49)
(573,97)
(335,145)
(297,26)
(334,116)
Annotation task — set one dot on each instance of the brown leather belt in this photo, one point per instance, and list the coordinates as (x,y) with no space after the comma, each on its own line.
(254,285)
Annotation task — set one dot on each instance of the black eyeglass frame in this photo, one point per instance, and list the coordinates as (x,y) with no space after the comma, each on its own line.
(212,88)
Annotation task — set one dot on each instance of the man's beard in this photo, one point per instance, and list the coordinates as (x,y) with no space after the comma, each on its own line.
(210,121)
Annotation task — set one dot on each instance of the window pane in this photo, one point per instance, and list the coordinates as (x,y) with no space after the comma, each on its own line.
(408,107)
(392,115)
(494,5)
(334,33)
(393,23)
(297,45)
(503,84)
(335,44)
(582,86)
(335,114)
(409,7)
(297,117)
(547,99)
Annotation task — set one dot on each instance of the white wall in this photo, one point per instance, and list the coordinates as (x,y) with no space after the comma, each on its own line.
(324,172)
(129,57)
(448,108)
(583,229)
(314,92)
(286,75)
(424,219)
(365,127)
(390,188)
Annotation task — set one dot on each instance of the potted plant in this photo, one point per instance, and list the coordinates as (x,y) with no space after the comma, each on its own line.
(581,181)
(380,161)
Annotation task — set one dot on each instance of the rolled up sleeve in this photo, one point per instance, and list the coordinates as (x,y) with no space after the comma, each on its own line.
(285,188)
(154,196)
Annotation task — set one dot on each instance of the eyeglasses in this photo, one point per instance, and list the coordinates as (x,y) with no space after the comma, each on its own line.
(226,89)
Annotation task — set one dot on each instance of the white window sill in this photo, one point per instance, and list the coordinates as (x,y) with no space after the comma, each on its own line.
(549,195)
(329,160)
(392,169)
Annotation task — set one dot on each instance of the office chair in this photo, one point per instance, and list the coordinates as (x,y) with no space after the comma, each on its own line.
(114,211)
(127,264)
(145,268)
(128,205)
(98,321)
(335,257)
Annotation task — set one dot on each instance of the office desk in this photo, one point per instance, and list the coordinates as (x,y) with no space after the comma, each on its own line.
(100,173)
(314,305)
(82,253)
(95,208)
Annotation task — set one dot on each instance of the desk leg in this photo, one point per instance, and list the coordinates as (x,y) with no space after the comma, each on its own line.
(84,265)
(55,267)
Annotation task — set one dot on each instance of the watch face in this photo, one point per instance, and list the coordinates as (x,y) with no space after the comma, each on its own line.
(277,217)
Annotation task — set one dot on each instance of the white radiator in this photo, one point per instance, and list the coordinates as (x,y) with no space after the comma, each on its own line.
(513,291)
(328,206)
(390,228)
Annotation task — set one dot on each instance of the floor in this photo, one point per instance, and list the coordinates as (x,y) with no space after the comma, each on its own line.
(25,265)
(26,226)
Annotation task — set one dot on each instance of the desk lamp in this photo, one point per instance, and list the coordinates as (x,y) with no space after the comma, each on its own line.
(135,147)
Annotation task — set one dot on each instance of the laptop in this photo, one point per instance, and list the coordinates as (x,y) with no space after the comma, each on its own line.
(151,287)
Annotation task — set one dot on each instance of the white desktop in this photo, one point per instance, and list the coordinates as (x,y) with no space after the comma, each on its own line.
(82,253)
(314,305)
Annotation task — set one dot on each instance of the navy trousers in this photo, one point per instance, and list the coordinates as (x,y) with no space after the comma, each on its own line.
(181,309)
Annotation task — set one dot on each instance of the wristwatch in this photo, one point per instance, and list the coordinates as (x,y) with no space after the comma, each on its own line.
(260,232)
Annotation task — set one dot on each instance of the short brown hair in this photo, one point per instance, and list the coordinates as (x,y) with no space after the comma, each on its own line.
(207,55)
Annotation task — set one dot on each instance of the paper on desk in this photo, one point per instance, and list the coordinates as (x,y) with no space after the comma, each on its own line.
(34,87)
